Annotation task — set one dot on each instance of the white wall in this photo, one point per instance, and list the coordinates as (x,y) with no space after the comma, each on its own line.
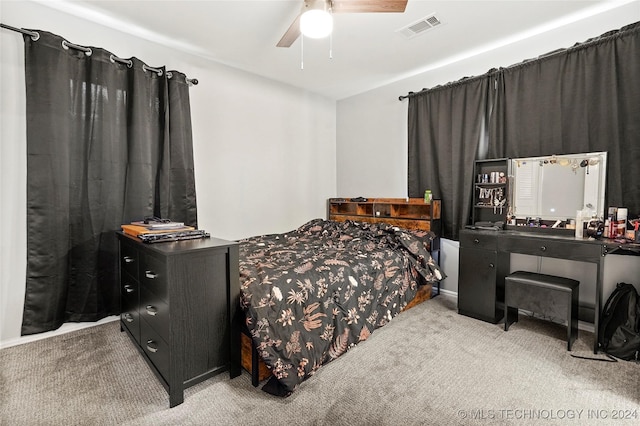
(372,127)
(265,152)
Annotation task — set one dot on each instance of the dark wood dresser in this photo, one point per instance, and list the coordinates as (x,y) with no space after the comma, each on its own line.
(178,304)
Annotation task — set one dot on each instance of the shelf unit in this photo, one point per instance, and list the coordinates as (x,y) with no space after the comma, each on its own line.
(490,199)
(411,213)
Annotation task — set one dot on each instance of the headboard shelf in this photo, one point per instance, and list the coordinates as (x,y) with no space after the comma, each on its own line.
(411,213)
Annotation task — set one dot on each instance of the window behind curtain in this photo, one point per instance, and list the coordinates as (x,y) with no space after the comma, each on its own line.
(582,99)
(106,144)
(446,126)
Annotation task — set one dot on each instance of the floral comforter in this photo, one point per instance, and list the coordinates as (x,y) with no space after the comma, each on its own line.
(311,294)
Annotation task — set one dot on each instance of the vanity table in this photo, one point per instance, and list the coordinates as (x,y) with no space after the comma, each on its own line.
(546,198)
(485,261)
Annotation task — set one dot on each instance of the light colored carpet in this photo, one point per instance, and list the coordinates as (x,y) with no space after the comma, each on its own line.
(428,366)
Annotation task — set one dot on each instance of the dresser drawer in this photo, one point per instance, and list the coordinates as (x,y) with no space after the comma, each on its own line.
(153,276)
(129,290)
(131,320)
(551,248)
(155,347)
(155,312)
(129,259)
(129,293)
(480,240)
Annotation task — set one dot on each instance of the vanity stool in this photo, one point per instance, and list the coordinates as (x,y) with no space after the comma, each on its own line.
(543,294)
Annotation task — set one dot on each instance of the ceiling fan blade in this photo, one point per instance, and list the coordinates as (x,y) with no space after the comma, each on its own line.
(291,35)
(368,6)
(345,6)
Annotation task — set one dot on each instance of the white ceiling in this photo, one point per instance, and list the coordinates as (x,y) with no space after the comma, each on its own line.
(367,50)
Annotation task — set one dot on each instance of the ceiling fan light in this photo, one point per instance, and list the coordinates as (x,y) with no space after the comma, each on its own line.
(316,23)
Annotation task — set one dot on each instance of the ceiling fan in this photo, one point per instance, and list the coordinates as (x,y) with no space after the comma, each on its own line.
(322,9)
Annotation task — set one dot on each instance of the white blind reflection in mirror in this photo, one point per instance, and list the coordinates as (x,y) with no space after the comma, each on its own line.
(557,186)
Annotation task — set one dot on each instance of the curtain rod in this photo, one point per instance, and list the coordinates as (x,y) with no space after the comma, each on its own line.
(409,94)
(581,45)
(35,36)
(451,83)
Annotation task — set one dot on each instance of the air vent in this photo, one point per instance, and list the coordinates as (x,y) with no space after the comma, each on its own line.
(419,27)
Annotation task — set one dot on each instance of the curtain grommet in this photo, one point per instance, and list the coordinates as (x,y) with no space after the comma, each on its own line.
(66,46)
(114,59)
(156,70)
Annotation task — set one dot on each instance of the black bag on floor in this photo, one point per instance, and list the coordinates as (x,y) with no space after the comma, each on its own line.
(619,330)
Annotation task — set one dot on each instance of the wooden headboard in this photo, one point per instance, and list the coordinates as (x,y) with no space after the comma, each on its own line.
(410,213)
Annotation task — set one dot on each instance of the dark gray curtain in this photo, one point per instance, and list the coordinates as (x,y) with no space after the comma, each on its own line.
(446,125)
(583,99)
(107,143)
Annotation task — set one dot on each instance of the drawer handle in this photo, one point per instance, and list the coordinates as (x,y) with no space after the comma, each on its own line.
(543,248)
(491,265)
(150,274)
(128,259)
(151,310)
(152,346)
(476,241)
(128,317)
(129,288)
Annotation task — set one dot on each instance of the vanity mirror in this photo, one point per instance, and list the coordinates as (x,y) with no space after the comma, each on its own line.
(555,187)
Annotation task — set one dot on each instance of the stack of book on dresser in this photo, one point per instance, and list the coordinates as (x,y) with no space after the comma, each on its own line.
(157,230)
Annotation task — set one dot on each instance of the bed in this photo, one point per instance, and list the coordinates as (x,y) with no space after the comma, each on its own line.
(309,295)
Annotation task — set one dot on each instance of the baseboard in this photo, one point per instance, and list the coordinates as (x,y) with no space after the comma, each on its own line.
(449,293)
(586,326)
(64,329)
(582,325)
